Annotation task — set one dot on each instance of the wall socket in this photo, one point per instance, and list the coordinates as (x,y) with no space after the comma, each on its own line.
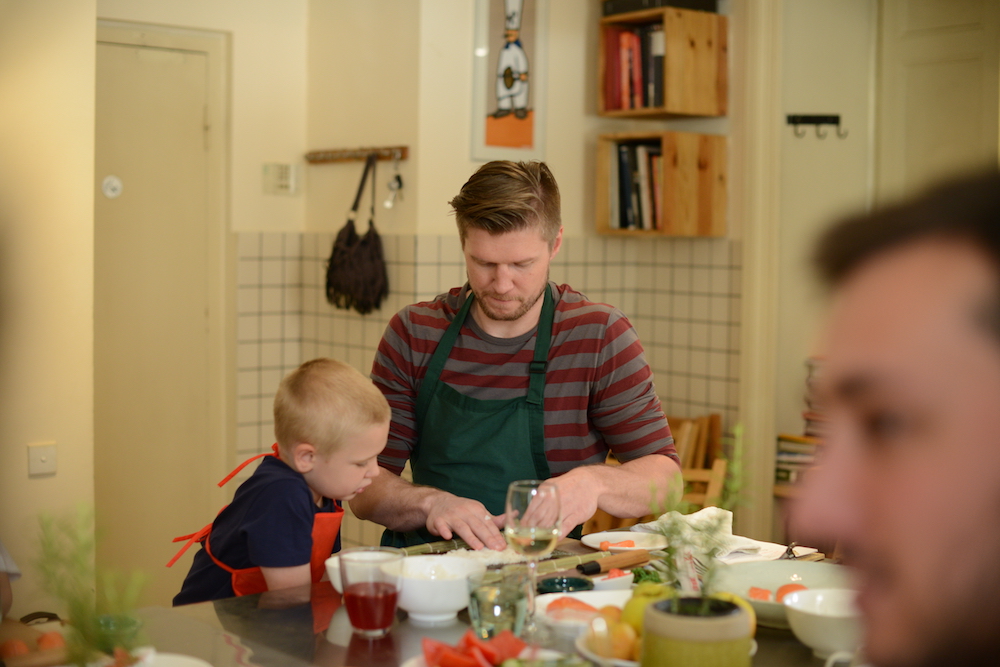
(281,179)
(42,459)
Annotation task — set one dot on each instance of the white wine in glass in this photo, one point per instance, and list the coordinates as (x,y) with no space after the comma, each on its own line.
(532,529)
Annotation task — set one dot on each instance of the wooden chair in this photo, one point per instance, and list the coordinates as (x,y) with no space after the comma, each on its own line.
(698,442)
(703,486)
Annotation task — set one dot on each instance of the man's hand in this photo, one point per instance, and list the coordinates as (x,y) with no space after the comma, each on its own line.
(449,515)
(577,498)
(628,490)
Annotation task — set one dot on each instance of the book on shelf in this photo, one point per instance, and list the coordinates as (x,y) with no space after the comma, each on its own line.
(625,67)
(612,7)
(814,423)
(633,66)
(612,68)
(636,170)
(626,212)
(657,52)
(805,458)
(789,473)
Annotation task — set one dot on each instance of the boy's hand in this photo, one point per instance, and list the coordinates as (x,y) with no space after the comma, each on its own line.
(449,515)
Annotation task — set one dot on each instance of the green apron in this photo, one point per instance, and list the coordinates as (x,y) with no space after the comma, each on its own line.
(474,448)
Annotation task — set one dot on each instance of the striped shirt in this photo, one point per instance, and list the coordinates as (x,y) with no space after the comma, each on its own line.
(599,392)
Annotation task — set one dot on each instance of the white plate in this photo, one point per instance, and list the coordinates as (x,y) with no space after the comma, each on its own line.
(596,599)
(544,654)
(770,574)
(581,647)
(642,540)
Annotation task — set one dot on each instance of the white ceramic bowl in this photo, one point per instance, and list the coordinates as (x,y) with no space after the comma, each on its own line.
(333,572)
(605,583)
(738,578)
(433,589)
(824,619)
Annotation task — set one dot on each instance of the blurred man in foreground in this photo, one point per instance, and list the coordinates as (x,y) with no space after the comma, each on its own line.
(909,482)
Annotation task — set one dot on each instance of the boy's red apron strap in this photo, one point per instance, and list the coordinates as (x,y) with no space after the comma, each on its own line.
(191,539)
(273,452)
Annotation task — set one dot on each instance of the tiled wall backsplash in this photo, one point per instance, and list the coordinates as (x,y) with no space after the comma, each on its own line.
(682,296)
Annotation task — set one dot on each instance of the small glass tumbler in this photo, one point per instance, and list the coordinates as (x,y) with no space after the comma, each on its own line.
(371,578)
(498,601)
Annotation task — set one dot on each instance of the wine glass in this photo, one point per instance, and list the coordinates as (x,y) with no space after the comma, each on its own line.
(532,529)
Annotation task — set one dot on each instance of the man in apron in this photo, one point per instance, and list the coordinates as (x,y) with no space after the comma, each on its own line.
(513,377)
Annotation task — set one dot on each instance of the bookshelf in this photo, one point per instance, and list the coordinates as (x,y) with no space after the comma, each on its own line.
(679,191)
(663,62)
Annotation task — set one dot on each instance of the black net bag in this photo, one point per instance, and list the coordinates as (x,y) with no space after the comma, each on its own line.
(356,275)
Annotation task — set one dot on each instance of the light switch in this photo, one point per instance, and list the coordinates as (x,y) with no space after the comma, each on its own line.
(42,458)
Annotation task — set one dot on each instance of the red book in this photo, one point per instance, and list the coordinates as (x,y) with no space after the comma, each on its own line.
(612,69)
(625,56)
(635,52)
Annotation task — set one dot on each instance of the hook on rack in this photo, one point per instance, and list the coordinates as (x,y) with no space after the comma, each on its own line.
(798,120)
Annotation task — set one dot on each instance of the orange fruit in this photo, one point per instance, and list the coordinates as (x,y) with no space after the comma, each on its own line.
(13,647)
(786,589)
(50,640)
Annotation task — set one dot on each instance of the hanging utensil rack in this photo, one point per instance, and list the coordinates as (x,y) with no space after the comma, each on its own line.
(357,154)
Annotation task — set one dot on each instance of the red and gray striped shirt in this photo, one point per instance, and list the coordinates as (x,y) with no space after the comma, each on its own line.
(599,392)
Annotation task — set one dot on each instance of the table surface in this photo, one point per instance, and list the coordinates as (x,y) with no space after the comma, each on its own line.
(277,628)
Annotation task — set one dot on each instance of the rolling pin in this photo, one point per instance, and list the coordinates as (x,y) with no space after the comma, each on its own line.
(620,560)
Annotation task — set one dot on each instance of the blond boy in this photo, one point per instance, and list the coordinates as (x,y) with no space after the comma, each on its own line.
(330,422)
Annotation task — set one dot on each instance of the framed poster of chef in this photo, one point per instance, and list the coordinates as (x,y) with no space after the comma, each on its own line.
(509,68)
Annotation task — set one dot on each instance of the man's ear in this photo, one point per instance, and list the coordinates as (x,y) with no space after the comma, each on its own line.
(303,457)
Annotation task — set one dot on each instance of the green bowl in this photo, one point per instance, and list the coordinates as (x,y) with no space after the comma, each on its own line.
(564,585)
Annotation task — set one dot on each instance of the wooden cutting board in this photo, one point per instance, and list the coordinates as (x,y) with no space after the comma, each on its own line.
(11,629)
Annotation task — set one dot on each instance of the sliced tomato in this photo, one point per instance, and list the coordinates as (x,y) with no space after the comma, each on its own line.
(480,658)
(471,640)
(507,645)
(432,651)
(452,657)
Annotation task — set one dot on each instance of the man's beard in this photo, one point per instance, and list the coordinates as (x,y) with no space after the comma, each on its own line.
(518,313)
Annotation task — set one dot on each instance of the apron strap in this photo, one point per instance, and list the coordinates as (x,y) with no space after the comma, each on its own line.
(440,357)
(273,452)
(536,386)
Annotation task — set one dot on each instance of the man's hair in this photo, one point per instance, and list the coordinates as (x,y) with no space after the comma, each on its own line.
(323,403)
(965,209)
(504,196)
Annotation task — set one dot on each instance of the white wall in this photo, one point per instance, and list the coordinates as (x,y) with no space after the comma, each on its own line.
(268,102)
(364,91)
(827,68)
(46,267)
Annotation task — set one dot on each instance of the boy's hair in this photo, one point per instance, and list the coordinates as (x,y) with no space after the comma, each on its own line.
(504,196)
(323,402)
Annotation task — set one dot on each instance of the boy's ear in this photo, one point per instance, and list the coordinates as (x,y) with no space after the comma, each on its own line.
(303,457)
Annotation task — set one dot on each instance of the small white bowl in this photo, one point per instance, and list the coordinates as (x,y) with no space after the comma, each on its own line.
(825,619)
(606,583)
(333,572)
(433,589)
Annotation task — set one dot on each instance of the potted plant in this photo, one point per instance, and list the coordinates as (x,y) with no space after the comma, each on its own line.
(101,621)
(697,625)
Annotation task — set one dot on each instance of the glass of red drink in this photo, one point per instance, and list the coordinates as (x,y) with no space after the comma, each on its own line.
(370,578)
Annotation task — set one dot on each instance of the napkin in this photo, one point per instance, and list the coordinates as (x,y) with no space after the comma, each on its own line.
(734,548)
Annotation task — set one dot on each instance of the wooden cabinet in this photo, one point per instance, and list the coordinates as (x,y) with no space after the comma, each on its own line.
(687,192)
(658,64)
(678,63)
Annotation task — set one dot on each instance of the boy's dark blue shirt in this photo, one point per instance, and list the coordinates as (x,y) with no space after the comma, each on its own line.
(268,524)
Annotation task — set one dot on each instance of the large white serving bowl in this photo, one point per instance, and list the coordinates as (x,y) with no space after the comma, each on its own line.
(738,578)
(825,619)
(433,589)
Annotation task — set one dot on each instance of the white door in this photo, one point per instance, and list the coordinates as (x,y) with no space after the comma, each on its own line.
(158,262)
(939,91)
